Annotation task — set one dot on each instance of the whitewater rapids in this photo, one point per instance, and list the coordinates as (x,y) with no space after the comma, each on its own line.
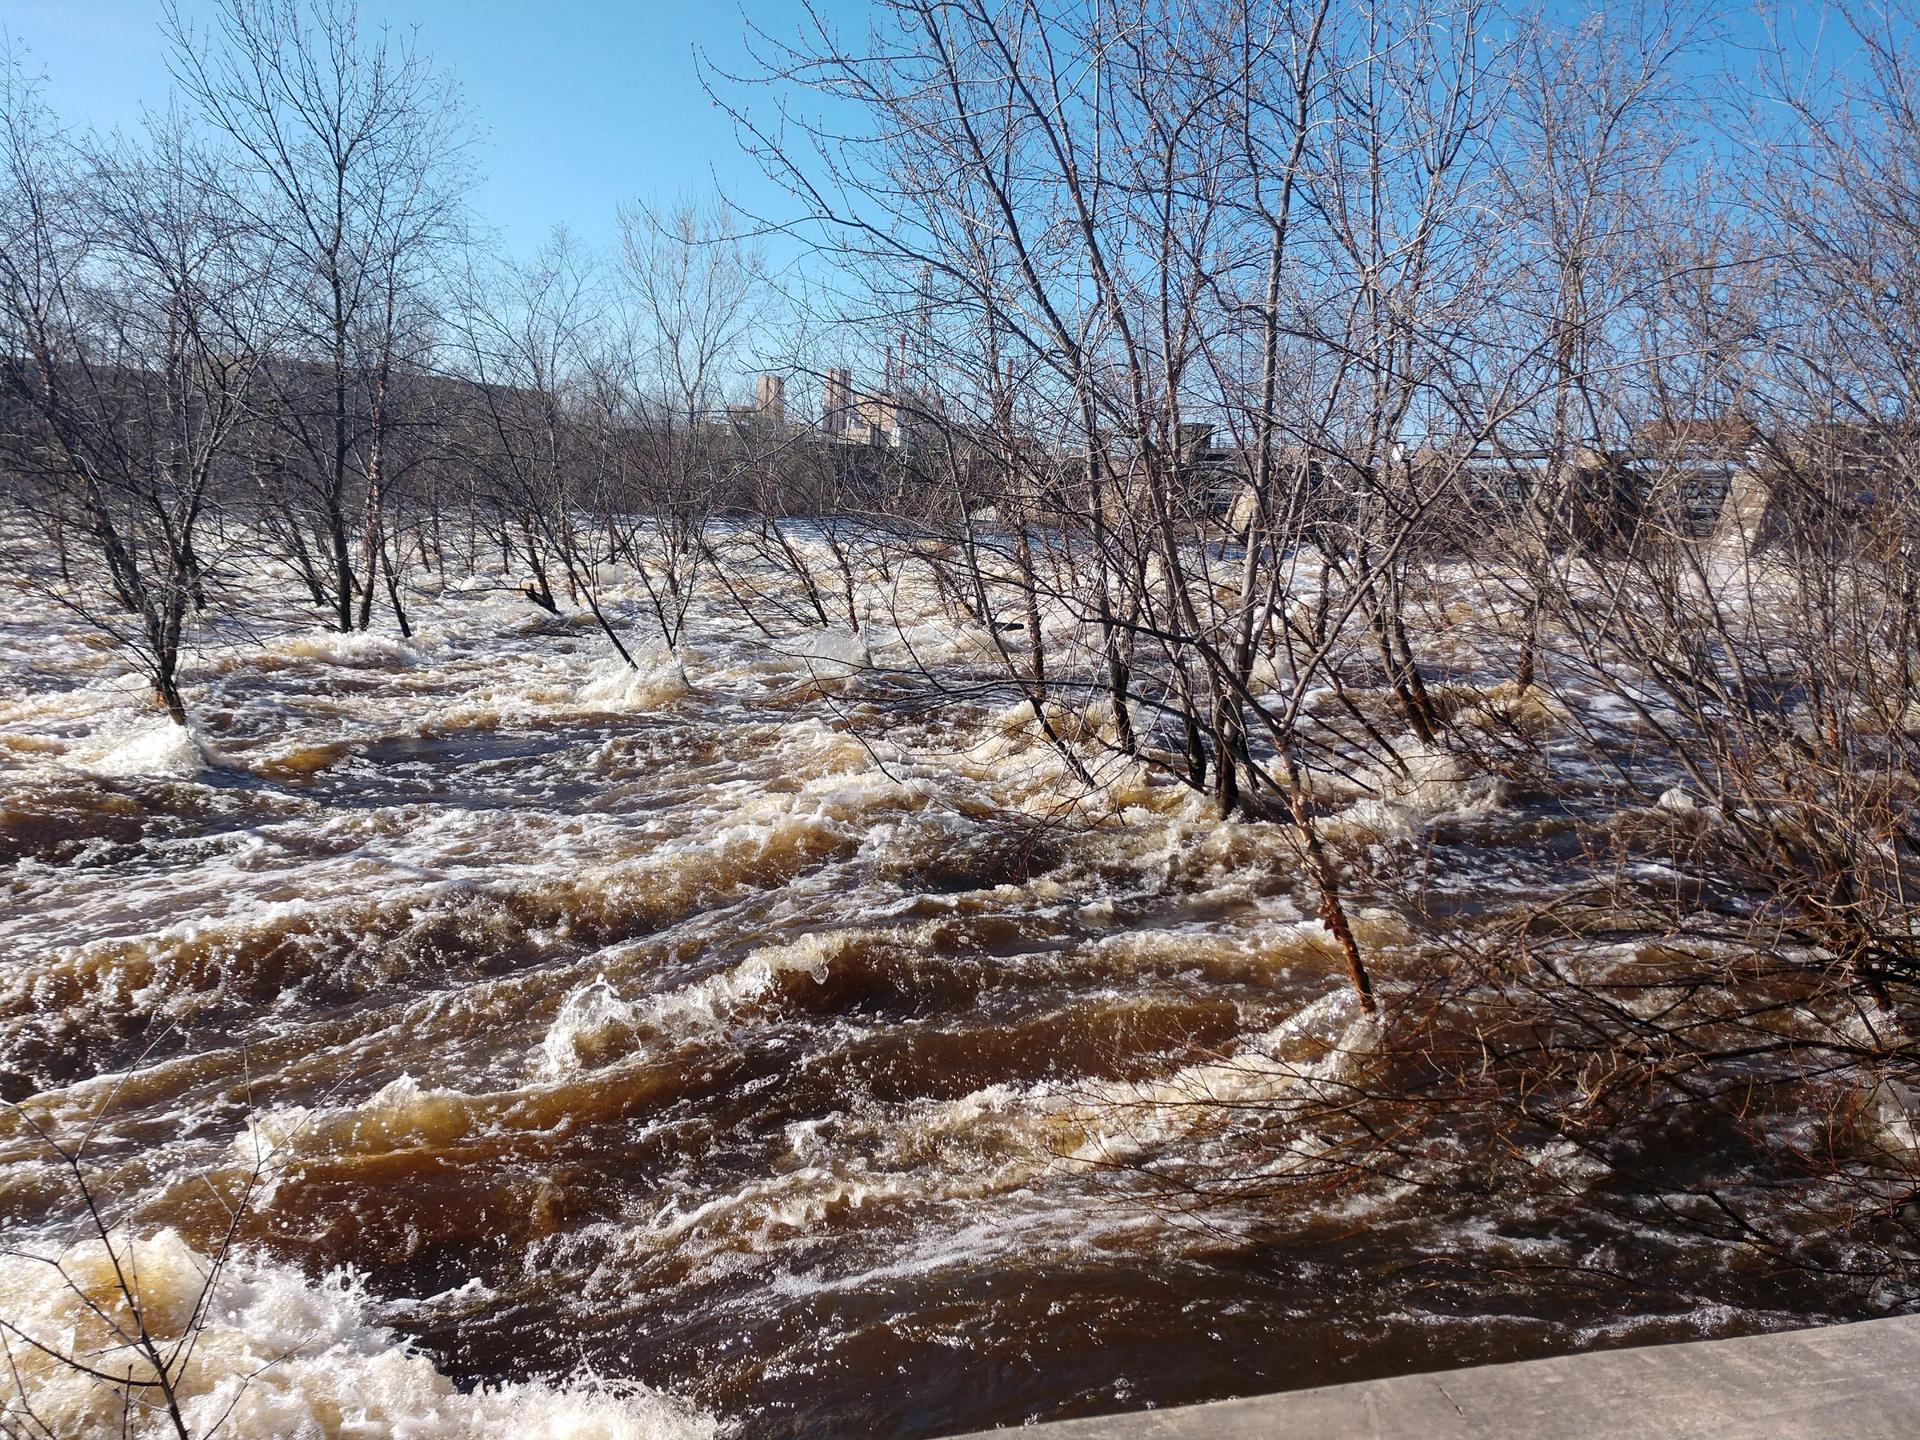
(749,1042)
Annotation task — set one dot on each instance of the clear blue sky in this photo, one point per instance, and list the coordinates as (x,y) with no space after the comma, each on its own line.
(585,104)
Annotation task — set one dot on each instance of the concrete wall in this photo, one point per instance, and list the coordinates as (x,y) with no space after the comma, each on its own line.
(1845,1382)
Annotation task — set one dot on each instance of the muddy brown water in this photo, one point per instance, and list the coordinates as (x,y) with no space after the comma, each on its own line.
(787,1043)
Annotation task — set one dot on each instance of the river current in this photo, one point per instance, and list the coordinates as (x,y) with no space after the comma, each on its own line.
(768,1040)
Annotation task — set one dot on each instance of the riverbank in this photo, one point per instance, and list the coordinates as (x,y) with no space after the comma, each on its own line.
(1838,1382)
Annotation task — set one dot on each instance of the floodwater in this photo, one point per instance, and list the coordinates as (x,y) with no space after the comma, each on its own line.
(757,1042)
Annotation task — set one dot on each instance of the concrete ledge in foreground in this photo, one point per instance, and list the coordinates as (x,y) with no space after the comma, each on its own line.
(1843,1382)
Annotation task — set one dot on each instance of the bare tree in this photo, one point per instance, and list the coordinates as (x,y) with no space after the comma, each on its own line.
(692,294)
(130,295)
(348,152)
(531,342)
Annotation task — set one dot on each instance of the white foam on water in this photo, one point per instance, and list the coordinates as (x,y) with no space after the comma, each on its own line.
(401,1114)
(656,678)
(940,642)
(275,1356)
(1434,784)
(595,1022)
(1004,1138)
(1892,1116)
(156,748)
(832,653)
(592,1019)
(1267,1071)
(365,649)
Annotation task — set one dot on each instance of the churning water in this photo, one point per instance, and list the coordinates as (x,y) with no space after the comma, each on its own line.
(759,1041)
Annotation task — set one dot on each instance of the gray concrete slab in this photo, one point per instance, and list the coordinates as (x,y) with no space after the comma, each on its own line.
(1843,1382)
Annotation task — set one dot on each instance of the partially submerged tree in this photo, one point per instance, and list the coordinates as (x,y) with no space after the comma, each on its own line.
(131,319)
(692,296)
(347,151)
